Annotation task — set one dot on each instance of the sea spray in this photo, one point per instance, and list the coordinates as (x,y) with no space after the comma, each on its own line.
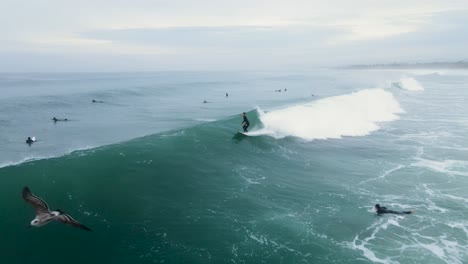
(355,114)
(409,84)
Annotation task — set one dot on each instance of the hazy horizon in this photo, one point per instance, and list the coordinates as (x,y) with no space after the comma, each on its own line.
(109,36)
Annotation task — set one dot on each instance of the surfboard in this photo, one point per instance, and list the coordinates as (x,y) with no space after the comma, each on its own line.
(239,136)
(243,133)
(33,139)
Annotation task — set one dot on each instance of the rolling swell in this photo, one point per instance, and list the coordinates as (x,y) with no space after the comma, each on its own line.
(197,195)
(193,195)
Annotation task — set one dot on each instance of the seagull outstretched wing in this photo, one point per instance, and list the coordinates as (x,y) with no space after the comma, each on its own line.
(66,219)
(39,205)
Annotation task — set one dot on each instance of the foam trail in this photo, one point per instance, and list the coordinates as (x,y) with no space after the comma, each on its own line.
(450,167)
(26,159)
(409,84)
(363,244)
(34,158)
(205,119)
(355,114)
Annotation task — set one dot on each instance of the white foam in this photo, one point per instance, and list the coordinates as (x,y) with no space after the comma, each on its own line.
(442,195)
(450,167)
(34,158)
(463,225)
(363,244)
(410,84)
(446,250)
(24,160)
(369,254)
(436,250)
(384,174)
(355,114)
(205,119)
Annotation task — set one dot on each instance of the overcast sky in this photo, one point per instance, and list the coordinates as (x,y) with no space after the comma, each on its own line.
(146,35)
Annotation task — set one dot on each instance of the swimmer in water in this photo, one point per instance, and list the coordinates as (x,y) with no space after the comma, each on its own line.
(383,210)
(94,101)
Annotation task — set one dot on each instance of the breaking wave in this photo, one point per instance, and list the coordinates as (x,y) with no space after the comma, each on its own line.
(355,114)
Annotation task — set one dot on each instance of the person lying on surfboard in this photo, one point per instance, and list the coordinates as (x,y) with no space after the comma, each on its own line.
(58,119)
(383,210)
(245,123)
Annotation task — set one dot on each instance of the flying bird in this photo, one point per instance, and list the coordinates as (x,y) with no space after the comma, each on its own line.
(44,215)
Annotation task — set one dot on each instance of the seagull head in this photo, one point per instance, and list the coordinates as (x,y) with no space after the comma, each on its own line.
(35,222)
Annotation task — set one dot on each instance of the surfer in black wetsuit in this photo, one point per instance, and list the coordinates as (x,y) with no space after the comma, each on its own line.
(29,141)
(56,119)
(94,101)
(245,123)
(383,210)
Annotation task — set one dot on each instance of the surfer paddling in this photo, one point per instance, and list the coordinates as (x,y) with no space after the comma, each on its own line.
(30,140)
(383,210)
(245,122)
(59,119)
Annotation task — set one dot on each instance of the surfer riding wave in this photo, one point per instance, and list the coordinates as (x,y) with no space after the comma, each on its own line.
(245,122)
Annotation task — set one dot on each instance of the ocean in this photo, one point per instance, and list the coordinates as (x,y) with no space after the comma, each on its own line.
(161,177)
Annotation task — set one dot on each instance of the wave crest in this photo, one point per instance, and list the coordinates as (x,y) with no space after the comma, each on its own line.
(355,114)
(409,84)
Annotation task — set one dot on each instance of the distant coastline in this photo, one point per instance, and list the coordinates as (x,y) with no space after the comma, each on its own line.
(430,65)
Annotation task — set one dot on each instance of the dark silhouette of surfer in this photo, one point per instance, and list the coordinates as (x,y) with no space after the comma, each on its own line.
(29,141)
(245,122)
(59,119)
(94,101)
(383,210)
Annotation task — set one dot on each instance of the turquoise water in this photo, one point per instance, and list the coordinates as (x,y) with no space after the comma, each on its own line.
(162,178)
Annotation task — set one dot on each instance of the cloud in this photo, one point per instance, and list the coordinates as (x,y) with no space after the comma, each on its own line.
(225,38)
(157,34)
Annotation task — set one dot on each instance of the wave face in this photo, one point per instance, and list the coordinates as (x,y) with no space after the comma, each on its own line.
(355,114)
(204,194)
(409,84)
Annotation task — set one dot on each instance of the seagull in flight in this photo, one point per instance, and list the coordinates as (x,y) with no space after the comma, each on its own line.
(44,215)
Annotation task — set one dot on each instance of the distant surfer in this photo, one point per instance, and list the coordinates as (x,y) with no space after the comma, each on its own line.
(227,95)
(383,210)
(30,140)
(285,89)
(245,122)
(205,102)
(59,119)
(94,101)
